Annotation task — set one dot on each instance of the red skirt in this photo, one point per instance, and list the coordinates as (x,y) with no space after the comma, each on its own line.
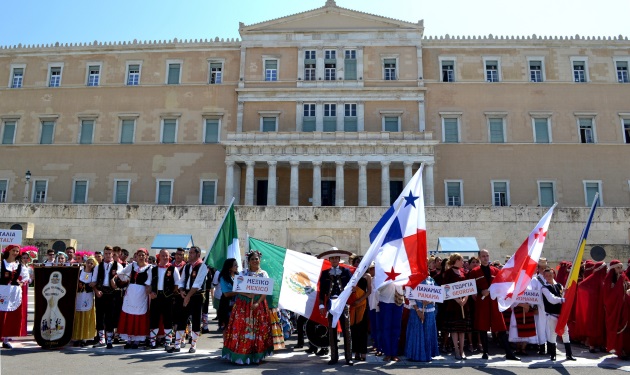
(133,325)
(11,323)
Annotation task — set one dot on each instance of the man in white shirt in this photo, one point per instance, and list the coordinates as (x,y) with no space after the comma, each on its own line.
(50,258)
(106,308)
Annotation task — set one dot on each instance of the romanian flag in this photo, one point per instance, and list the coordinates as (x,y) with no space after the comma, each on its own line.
(570,292)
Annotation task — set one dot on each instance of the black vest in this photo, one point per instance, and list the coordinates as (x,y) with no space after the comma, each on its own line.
(139,278)
(550,308)
(193,276)
(6,278)
(100,274)
(84,287)
(169,280)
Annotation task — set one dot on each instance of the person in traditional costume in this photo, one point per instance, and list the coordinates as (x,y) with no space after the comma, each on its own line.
(373,313)
(106,308)
(457,311)
(27,261)
(164,284)
(540,318)
(390,303)
(422,339)
(614,297)
(474,342)
(226,281)
(487,314)
(133,325)
(359,314)
(552,298)
(84,325)
(522,325)
(247,338)
(589,311)
(12,276)
(564,269)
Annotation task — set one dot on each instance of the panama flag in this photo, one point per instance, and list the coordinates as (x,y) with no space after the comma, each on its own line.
(571,287)
(515,276)
(402,258)
(225,244)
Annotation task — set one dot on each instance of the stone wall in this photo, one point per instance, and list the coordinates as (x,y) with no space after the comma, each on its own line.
(315,229)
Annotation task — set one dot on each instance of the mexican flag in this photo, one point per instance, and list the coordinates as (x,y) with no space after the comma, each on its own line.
(296,278)
(225,243)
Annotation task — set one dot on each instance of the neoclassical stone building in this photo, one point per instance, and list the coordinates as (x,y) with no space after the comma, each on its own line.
(329,107)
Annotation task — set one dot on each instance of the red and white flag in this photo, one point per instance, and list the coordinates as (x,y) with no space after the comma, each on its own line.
(515,276)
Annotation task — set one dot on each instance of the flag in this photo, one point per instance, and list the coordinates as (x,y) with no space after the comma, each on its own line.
(296,278)
(225,244)
(402,259)
(515,276)
(571,286)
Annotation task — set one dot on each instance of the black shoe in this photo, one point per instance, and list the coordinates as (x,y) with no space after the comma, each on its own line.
(592,350)
(192,350)
(110,346)
(6,345)
(349,362)
(173,349)
(298,346)
(215,318)
(127,346)
(134,346)
(311,350)
(150,347)
(116,341)
(512,357)
(484,356)
(541,349)
(322,352)
(76,344)
(205,330)
(98,345)
(569,352)
(333,361)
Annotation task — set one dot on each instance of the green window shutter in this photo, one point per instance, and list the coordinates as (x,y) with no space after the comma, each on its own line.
(542,130)
(546,194)
(87,131)
(350,124)
(122,189)
(350,68)
(126,131)
(173,74)
(169,132)
(269,124)
(80,190)
(391,124)
(308,124)
(48,129)
(330,124)
(496,130)
(8,134)
(451,132)
(591,189)
(212,131)
(208,189)
(164,192)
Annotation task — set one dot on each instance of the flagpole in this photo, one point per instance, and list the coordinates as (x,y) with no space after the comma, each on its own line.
(221,225)
(578,253)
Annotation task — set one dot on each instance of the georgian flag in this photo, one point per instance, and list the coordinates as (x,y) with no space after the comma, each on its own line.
(515,276)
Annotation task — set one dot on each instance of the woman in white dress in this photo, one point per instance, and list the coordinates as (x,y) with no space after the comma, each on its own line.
(84,327)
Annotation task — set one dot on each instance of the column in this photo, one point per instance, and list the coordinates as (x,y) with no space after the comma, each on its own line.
(360,65)
(341,113)
(299,116)
(339,185)
(360,116)
(319,116)
(239,117)
(317,183)
(408,171)
(249,183)
(229,181)
(363,183)
(421,116)
(429,193)
(385,183)
(271,184)
(295,183)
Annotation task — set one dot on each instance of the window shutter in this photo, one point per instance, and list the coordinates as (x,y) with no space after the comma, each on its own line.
(122,187)
(212,131)
(450,130)
(207,192)
(542,130)
(496,130)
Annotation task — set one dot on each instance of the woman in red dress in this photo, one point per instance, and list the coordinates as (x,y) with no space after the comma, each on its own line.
(12,275)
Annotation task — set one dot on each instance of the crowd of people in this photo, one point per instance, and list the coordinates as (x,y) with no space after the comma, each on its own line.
(164,303)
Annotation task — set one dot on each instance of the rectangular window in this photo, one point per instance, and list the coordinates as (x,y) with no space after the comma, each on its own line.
(541,130)
(169,131)
(216,72)
(269,124)
(164,194)
(174,70)
(626,130)
(55,76)
(450,130)
(500,193)
(310,65)
(579,71)
(448,71)
(590,189)
(94,75)
(87,132)
(8,132)
(208,192)
(330,65)
(622,71)
(80,190)
(492,71)
(389,69)
(39,191)
(271,70)
(350,65)
(48,133)
(546,193)
(121,191)
(127,131)
(350,123)
(18,77)
(535,71)
(454,193)
(496,130)
(330,117)
(211,131)
(587,130)
(4,185)
(390,124)
(133,75)
(308,118)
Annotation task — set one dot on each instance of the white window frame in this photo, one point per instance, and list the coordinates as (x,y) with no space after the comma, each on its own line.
(591,116)
(507,193)
(81,119)
(485,70)
(123,118)
(546,116)
(204,127)
(264,69)
(584,59)
(263,114)
(181,69)
(495,115)
(599,190)
(384,115)
(542,67)
(49,75)
(87,73)
(6,196)
(162,129)
(157,190)
(622,118)
(618,59)
(461,193)
(441,60)
(16,120)
(134,62)
(87,188)
(451,115)
(33,190)
(396,68)
(334,72)
(216,185)
(12,72)
(215,61)
(553,189)
(116,181)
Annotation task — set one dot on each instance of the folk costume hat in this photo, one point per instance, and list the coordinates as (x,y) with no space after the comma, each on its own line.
(334,252)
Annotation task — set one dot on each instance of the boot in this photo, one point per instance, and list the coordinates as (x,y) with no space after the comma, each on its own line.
(509,353)
(541,349)
(569,352)
(551,350)
(484,344)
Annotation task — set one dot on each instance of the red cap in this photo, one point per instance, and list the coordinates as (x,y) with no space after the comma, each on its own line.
(614,262)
